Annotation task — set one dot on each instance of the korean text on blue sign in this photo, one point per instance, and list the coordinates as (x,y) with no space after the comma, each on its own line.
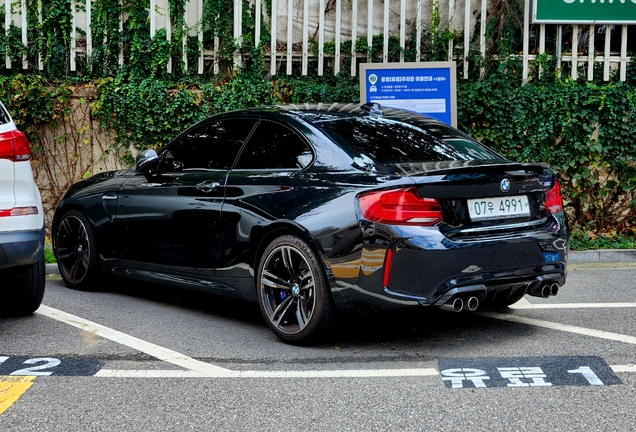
(426,91)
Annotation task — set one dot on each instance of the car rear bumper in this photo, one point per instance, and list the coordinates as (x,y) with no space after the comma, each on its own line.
(424,268)
(21,247)
(430,274)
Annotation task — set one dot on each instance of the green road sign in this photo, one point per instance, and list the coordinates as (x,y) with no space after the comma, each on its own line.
(585,11)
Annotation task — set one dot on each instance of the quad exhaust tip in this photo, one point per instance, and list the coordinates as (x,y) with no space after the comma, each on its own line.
(458,304)
(546,290)
(554,289)
(472,303)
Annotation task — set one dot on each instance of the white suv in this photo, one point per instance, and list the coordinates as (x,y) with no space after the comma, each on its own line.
(22,269)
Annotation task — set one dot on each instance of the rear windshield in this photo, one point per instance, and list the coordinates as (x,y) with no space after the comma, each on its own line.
(390,141)
(4,116)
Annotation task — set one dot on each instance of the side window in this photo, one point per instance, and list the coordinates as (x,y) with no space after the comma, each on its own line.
(211,146)
(274,146)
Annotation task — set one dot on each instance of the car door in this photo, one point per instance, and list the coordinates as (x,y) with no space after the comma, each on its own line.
(262,187)
(168,219)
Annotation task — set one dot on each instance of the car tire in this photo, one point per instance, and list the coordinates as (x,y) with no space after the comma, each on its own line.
(76,251)
(26,288)
(293,292)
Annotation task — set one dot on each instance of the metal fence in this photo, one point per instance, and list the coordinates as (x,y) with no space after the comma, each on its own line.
(301,35)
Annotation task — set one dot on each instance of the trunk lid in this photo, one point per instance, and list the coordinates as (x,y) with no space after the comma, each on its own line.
(480,198)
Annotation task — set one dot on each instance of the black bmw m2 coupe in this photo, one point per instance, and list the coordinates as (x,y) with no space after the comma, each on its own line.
(314,209)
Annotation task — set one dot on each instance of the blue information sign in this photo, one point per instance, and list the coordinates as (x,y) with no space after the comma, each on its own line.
(426,88)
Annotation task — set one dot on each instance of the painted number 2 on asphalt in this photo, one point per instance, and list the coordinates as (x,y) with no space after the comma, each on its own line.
(526,372)
(48,366)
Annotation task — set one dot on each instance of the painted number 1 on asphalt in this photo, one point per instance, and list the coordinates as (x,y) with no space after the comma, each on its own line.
(517,377)
(526,372)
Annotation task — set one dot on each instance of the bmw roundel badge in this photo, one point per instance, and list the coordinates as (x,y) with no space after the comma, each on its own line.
(505,185)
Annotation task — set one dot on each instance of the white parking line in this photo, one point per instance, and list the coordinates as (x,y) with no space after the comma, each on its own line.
(341,373)
(561,327)
(151,349)
(198,369)
(525,304)
(624,368)
(337,373)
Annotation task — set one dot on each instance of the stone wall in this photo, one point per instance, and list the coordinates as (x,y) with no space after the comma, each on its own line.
(69,149)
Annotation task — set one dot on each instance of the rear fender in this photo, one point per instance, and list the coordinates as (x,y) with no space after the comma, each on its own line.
(263,236)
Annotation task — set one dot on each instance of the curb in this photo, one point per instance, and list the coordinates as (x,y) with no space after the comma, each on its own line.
(575,257)
(602,256)
(51,270)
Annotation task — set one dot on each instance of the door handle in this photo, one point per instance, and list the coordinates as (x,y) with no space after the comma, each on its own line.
(109,196)
(208,186)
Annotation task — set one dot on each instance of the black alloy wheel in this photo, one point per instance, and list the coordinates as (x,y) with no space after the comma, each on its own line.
(75,251)
(292,291)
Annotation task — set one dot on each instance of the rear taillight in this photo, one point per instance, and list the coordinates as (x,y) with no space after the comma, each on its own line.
(14,146)
(19,211)
(553,199)
(400,207)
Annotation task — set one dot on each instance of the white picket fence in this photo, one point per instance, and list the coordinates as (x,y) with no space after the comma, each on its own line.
(296,23)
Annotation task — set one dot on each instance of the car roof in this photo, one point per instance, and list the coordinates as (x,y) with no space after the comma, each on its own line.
(319,113)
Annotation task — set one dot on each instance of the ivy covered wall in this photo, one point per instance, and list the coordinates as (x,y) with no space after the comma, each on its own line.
(99,117)
(585,130)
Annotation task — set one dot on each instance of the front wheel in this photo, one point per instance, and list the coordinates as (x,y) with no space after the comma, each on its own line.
(292,291)
(76,252)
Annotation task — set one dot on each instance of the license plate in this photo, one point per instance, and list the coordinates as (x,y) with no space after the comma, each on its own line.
(498,208)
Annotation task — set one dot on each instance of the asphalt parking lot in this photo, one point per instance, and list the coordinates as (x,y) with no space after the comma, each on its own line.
(143,357)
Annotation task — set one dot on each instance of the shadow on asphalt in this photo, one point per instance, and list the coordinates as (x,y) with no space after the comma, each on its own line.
(396,326)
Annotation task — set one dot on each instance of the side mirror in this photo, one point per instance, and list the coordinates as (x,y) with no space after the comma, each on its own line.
(146,159)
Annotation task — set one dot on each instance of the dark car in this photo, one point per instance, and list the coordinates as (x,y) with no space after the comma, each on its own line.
(313,209)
